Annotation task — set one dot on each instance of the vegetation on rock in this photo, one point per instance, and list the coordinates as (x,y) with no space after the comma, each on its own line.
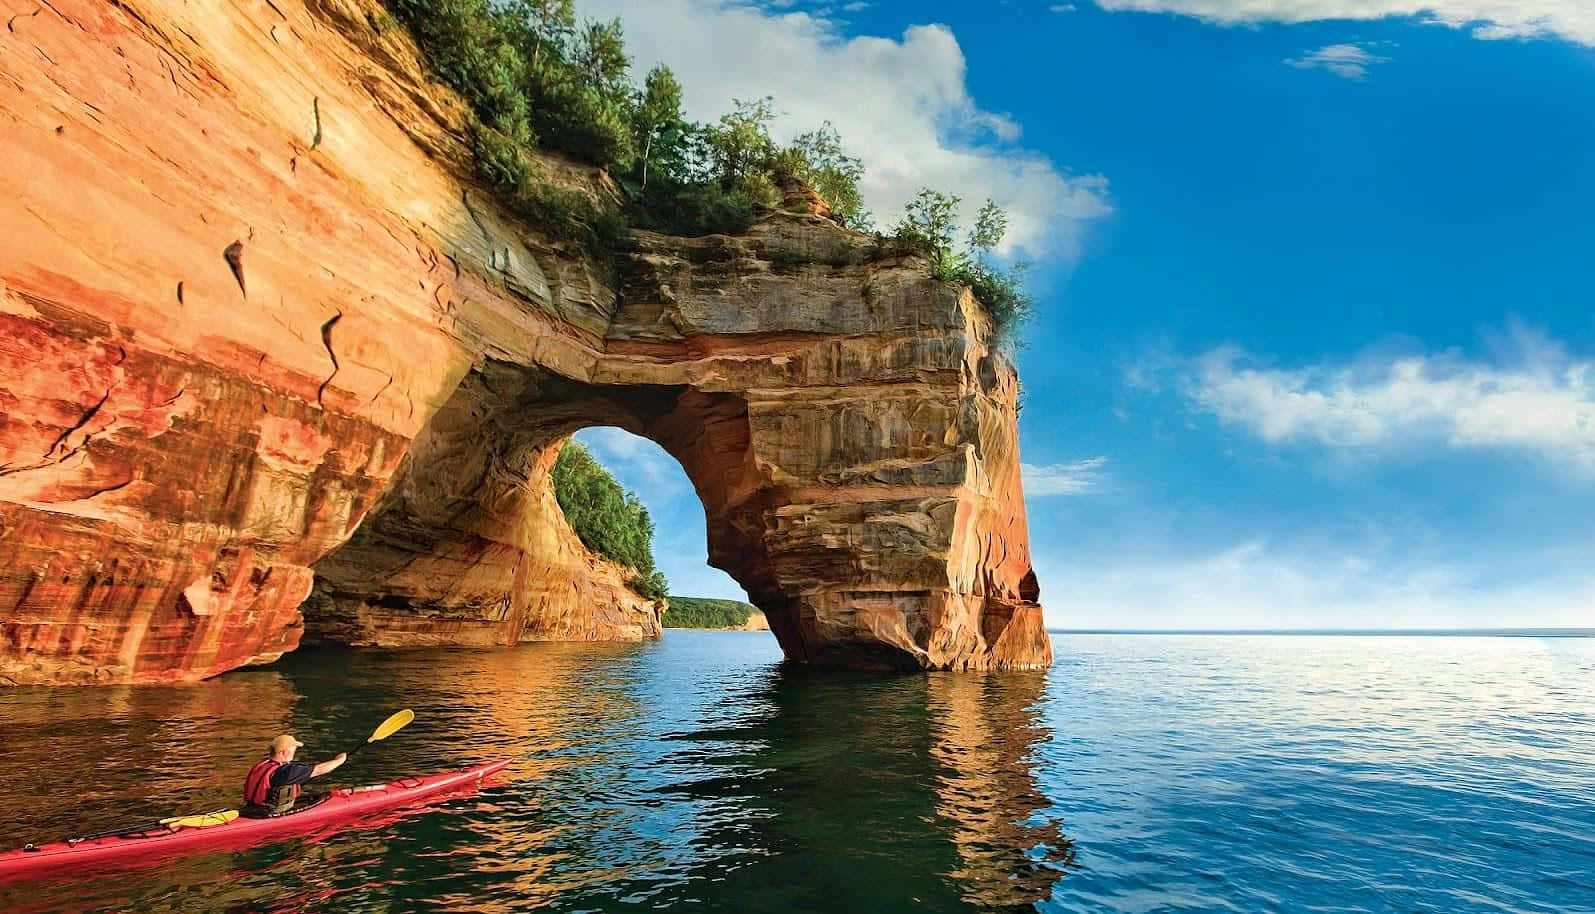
(703,612)
(930,222)
(535,78)
(610,520)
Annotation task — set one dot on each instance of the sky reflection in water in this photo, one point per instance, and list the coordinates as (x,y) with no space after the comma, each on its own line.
(697,774)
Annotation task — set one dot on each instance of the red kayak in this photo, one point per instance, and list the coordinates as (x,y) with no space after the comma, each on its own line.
(160,842)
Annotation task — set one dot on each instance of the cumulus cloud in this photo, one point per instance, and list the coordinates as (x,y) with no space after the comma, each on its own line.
(1542,403)
(638,464)
(1572,20)
(1256,584)
(901,104)
(1077,478)
(1348,60)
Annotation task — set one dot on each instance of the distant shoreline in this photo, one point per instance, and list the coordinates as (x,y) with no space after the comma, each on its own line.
(1344,632)
(710,614)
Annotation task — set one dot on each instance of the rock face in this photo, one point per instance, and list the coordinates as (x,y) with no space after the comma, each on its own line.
(273,364)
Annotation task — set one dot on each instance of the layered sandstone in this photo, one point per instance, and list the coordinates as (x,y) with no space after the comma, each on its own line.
(265,339)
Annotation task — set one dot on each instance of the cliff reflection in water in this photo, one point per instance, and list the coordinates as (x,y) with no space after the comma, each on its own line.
(694,774)
(858,793)
(985,734)
(681,777)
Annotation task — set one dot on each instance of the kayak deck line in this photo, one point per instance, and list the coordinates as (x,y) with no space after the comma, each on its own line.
(340,805)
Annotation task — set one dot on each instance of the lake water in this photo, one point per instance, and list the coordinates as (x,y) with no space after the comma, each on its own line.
(695,774)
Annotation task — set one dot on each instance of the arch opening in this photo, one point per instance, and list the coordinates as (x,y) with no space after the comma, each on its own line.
(679,547)
(469,546)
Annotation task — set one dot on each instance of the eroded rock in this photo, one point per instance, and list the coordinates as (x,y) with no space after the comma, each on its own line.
(364,392)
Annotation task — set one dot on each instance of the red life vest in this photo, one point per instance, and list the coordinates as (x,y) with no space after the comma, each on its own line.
(259,792)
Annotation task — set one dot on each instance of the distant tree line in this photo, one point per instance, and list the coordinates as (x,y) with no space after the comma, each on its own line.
(536,78)
(702,612)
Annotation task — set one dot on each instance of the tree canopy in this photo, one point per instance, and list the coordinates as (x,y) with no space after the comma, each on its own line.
(536,78)
(609,519)
(703,612)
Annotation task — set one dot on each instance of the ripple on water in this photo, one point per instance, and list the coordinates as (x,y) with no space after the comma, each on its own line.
(1140,773)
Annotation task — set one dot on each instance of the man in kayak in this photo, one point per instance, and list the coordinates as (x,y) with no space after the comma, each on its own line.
(273,784)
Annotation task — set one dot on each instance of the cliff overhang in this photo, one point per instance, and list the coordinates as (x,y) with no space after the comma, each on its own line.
(273,363)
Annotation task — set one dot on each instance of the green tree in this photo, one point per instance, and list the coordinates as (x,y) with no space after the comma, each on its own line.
(817,159)
(600,57)
(547,26)
(991,225)
(581,98)
(608,519)
(740,149)
(930,222)
(659,122)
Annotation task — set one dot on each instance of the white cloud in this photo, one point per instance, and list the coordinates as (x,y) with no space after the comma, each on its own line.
(1062,7)
(1253,584)
(1542,403)
(1077,478)
(637,463)
(902,105)
(1573,20)
(1348,60)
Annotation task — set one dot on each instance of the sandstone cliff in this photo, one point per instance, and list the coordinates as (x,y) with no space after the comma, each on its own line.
(264,339)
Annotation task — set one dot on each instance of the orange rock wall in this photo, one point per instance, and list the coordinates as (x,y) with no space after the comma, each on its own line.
(255,316)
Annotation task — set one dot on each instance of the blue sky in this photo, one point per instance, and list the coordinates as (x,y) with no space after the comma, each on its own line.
(1316,344)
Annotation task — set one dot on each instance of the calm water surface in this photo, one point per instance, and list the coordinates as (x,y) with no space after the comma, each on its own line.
(1141,773)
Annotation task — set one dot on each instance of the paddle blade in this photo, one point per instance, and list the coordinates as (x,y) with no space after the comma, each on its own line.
(392,725)
(203,820)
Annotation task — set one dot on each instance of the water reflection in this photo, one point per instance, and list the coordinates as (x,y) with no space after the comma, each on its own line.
(986,733)
(841,793)
(697,774)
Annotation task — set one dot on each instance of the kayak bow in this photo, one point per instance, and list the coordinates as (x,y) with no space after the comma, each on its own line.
(162,841)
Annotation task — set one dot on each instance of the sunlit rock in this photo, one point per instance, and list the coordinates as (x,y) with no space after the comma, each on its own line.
(264,337)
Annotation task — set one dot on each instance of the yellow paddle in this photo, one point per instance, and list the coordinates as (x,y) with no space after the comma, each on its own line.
(199,820)
(389,727)
(203,820)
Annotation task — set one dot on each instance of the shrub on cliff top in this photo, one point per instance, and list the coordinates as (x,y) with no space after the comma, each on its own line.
(930,223)
(530,73)
(535,78)
(609,520)
(532,78)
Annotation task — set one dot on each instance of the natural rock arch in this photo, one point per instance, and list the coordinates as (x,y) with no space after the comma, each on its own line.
(469,547)
(235,359)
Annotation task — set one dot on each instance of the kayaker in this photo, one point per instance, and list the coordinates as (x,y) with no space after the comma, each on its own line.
(273,784)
